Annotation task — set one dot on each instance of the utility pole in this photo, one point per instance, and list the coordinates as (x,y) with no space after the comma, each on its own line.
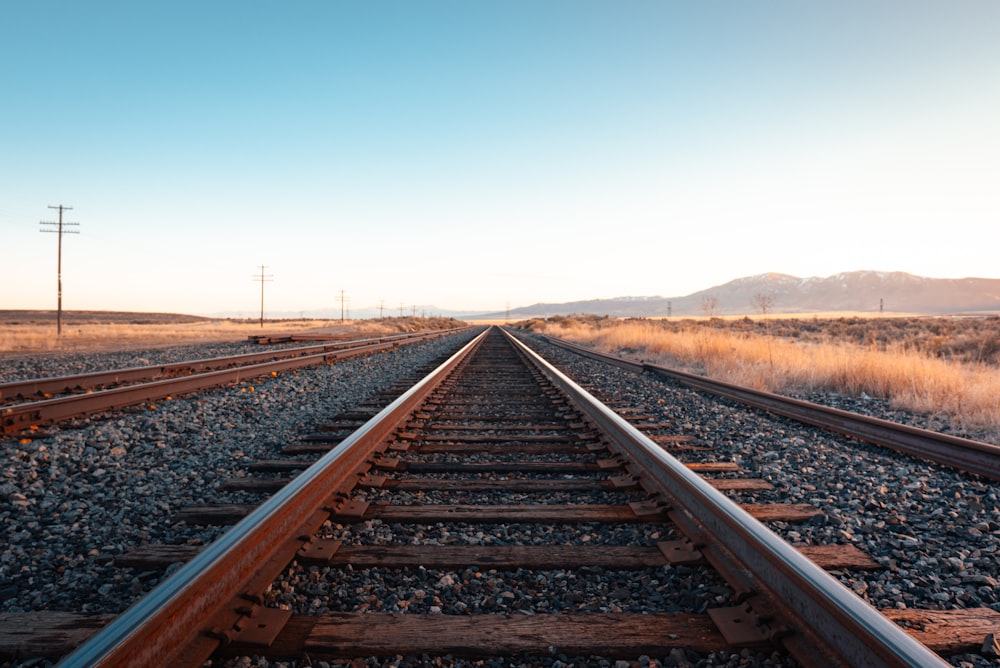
(342,301)
(400,309)
(263,278)
(381,307)
(60,231)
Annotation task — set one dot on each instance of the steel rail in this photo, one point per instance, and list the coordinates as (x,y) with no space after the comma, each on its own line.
(821,622)
(184,619)
(39,387)
(961,453)
(19,417)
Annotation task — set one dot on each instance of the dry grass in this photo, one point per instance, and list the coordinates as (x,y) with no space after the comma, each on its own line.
(911,374)
(27,334)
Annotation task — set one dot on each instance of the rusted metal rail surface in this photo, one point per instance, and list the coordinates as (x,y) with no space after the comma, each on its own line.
(86,394)
(961,453)
(496,400)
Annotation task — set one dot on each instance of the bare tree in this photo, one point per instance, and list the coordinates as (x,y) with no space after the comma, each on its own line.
(763,303)
(708,305)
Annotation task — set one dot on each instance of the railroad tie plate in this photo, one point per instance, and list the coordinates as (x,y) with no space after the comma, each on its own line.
(680,552)
(261,627)
(741,626)
(372,480)
(351,511)
(390,463)
(650,508)
(319,550)
(624,481)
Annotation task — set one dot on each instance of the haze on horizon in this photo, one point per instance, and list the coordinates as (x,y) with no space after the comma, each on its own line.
(480,156)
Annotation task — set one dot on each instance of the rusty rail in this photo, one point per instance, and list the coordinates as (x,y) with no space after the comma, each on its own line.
(782,595)
(961,453)
(190,614)
(787,597)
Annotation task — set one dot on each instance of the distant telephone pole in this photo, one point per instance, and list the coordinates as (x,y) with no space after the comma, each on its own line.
(381,307)
(343,300)
(263,278)
(60,231)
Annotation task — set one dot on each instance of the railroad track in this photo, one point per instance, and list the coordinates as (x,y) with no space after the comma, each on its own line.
(960,453)
(35,402)
(502,422)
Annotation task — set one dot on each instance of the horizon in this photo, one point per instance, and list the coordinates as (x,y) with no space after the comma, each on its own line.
(433,312)
(470,157)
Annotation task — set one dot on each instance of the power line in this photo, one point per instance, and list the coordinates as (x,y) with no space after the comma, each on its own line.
(60,231)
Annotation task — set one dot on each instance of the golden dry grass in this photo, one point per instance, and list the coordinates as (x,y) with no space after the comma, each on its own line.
(911,379)
(113,332)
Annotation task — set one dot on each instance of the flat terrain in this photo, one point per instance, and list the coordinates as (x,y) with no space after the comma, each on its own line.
(945,368)
(69,318)
(31,332)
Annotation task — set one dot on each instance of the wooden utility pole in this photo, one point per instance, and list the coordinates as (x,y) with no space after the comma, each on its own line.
(263,278)
(342,302)
(60,231)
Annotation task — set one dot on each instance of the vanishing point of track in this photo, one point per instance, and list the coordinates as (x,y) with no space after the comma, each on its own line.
(497,407)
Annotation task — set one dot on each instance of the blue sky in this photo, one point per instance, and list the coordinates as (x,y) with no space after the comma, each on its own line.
(471,155)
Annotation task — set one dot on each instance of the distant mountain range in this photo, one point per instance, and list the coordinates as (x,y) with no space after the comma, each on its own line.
(856,291)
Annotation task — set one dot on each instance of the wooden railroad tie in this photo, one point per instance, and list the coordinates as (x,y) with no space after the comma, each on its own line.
(508,557)
(230,513)
(346,634)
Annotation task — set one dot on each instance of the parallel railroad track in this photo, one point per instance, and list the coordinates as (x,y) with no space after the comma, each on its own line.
(35,402)
(533,431)
(961,453)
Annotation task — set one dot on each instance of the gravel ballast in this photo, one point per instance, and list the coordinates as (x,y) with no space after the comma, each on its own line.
(77,497)
(935,530)
(72,501)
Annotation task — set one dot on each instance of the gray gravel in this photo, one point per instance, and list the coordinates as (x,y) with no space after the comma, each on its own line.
(73,500)
(935,530)
(316,590)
